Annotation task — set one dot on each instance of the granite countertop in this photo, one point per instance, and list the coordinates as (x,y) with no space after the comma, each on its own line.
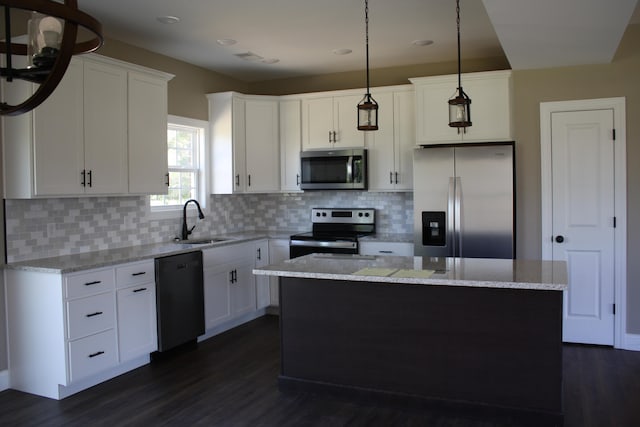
(105,258)
(473,272)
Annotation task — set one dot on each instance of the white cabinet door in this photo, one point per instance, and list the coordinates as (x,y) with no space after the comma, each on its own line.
(105,128)
(317,123)
(147,136)
(137,328)
(404,137)
(331,122)
(391,146)
(58,140)
(346,122)
(290,144)
(217,294)
(243,289)
(263,297)
(262,145)
(380,145)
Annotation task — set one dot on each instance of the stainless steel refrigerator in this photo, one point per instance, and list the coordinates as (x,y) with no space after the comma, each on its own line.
(464,203)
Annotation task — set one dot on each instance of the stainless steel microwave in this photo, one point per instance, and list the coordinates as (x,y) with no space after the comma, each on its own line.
(334,169)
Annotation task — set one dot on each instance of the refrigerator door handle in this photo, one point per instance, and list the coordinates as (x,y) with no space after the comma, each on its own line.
(458,217)
(451,215)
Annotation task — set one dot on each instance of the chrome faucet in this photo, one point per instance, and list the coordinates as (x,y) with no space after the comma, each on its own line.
(186,230)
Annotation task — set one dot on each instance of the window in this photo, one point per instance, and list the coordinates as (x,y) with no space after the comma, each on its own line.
(185,153)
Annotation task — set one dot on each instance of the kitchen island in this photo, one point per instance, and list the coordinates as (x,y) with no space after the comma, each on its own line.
(484,334)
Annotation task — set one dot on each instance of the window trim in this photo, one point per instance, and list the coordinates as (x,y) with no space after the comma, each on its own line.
(165,212)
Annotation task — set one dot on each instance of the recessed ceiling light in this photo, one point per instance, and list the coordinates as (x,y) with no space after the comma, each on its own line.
(168,19)
(249,56)
(270,61)
(226,42)
(342,51)
(422,42)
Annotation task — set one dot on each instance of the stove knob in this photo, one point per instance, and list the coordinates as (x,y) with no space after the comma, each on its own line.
(360,214)
(317,213)
(367,214)
(324,214)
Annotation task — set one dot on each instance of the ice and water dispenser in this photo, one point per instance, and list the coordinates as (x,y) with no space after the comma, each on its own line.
(433,228)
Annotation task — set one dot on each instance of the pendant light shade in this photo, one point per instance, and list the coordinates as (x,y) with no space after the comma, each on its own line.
(368,107)
(52,34)
(460,103)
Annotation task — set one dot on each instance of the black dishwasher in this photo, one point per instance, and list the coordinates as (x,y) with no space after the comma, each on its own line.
(179,299)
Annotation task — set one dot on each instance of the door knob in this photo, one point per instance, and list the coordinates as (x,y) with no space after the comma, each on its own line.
(559,239)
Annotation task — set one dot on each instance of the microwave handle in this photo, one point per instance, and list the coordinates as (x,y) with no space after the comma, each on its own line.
(350,169)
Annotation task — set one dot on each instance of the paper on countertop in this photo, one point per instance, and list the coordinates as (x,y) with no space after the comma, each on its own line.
(373,271)
(417,274)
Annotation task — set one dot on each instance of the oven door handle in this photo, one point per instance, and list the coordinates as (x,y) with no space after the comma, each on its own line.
(320,244)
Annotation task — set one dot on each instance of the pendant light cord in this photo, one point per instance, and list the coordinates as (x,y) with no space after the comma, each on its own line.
(458,26)
(366,23)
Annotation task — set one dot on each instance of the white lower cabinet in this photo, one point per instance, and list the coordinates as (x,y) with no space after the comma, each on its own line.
(68,332)
(386,248)
(229,285)
(136,302)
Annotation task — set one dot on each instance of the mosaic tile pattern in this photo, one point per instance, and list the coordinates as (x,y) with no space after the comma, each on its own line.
(53,227)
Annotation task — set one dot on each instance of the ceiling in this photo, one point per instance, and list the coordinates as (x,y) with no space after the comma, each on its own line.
(302,35)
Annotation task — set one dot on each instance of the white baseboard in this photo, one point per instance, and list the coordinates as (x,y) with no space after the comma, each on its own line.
(631,342)
(4,380)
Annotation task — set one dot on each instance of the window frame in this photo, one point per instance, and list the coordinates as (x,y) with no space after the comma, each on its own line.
(202,169)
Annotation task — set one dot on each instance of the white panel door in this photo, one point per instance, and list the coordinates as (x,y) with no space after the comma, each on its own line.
(582,149)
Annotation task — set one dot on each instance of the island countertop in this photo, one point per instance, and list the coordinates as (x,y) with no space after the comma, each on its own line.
(470,272)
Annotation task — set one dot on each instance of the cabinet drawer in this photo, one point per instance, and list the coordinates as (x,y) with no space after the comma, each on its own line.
(89,315)
(84,284)
(132,274)
(90,355)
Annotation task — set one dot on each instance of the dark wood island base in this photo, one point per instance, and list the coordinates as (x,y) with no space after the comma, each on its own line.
(477,348)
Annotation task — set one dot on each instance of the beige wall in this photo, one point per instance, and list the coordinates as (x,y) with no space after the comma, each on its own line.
(187,89)
(378,77)
(620,78)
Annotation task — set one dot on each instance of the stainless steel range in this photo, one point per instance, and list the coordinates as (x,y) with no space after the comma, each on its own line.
(334,230)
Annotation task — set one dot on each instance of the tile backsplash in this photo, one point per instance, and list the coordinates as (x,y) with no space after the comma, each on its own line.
(52,227)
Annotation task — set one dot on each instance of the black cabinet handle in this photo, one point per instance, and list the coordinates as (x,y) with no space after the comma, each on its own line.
(139,273)
(385,252)
(249,180)
(167,176)
(390,177)
(97,353)
(139,290)
(297,179)
(90,173)
(97,313)
(238,180)
(259,253)
(396,177)
(330,136)
(559,239)
(93,283)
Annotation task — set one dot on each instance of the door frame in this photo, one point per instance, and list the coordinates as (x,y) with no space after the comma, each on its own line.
(620,194)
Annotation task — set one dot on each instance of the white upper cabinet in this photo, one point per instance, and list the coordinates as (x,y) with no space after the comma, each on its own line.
(245,153)
(290,143)
(77,141)
(491,108)
(148,170)
(105,129)
(390,148)
(331,122)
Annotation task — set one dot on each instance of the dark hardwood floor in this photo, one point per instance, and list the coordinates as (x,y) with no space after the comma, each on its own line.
(231,380)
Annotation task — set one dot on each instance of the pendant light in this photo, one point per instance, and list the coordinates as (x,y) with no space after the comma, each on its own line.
(368,107)
(460,103)
(52,32)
